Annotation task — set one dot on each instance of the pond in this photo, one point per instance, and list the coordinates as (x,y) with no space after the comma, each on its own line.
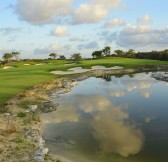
(111,119)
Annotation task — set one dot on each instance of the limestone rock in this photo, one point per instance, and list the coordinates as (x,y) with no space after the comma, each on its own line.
(48,107)
(33,108)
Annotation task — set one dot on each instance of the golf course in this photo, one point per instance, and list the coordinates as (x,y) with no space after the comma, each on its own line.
(25,75)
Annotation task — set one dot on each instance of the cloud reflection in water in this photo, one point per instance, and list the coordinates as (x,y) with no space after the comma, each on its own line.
(109,123)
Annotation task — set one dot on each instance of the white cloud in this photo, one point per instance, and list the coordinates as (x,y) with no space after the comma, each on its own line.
(96,103)
(55,47)
(132,36)
(89,14)
(117,92)
(138,37)
(60,116)
(60,31)
(50,11)
(115,134)
(94,11)
(43,11)
(145,19)
(114,23)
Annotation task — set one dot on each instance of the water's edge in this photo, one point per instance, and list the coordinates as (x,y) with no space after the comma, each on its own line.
(51,90)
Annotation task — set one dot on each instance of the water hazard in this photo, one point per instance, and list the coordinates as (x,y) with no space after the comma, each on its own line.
(111,119)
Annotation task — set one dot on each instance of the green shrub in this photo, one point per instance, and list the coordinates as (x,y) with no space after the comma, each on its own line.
(21,114)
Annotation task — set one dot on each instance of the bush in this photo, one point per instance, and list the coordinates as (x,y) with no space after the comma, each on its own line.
(21,114)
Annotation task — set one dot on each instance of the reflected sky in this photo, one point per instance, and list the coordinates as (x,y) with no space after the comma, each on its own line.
(122,120)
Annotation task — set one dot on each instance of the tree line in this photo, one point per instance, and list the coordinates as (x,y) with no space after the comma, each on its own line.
(152,55)
(16,55)
(105,52)
(75,56)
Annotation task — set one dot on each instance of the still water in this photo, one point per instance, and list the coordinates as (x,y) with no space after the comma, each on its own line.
(112,119)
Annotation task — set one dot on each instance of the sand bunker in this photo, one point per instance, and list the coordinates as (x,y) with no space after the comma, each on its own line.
(41,64)
(77,70)
(27,64)
(9,67)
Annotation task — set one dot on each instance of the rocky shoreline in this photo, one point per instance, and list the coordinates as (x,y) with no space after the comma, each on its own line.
(160,76)
(21,125)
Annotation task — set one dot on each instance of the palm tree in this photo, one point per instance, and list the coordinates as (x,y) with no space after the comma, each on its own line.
(7,57)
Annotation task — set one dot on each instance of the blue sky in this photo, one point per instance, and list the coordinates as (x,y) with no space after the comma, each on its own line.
(37,28)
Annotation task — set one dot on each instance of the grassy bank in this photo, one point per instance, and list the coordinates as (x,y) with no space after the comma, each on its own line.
(13,81)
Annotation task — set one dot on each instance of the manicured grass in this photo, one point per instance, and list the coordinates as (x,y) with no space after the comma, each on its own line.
(124,62)
(13,81)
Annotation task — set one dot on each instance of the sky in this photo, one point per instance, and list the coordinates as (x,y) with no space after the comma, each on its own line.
(37,28)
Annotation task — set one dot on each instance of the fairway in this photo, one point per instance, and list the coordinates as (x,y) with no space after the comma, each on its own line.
(13,81)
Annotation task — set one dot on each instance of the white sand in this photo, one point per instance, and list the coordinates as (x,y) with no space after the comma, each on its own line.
(27,64)
(77,70)
(8,67)
(41,64)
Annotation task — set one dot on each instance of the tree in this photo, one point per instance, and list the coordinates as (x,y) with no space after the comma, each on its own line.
(62,57)
(131,53)
(7,57)
(97,54)
(107,51)
(16,55)
(76,56)
(53,55)
(119,53)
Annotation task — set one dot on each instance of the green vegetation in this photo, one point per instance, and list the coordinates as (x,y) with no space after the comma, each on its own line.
(21,114)
(53,55)
(76,56)
(152,55)
(13,81)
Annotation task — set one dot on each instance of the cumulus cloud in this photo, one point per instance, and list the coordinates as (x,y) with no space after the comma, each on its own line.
(142,35)
(145,19)
(117,92)
(50,11)
(114,23)
(115,135)
(110,124)
(60,116)
(138,36)
(43,11)
(94,11)
(89,14)
(141,84)
(89,45)
(60,31)
(96,103)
